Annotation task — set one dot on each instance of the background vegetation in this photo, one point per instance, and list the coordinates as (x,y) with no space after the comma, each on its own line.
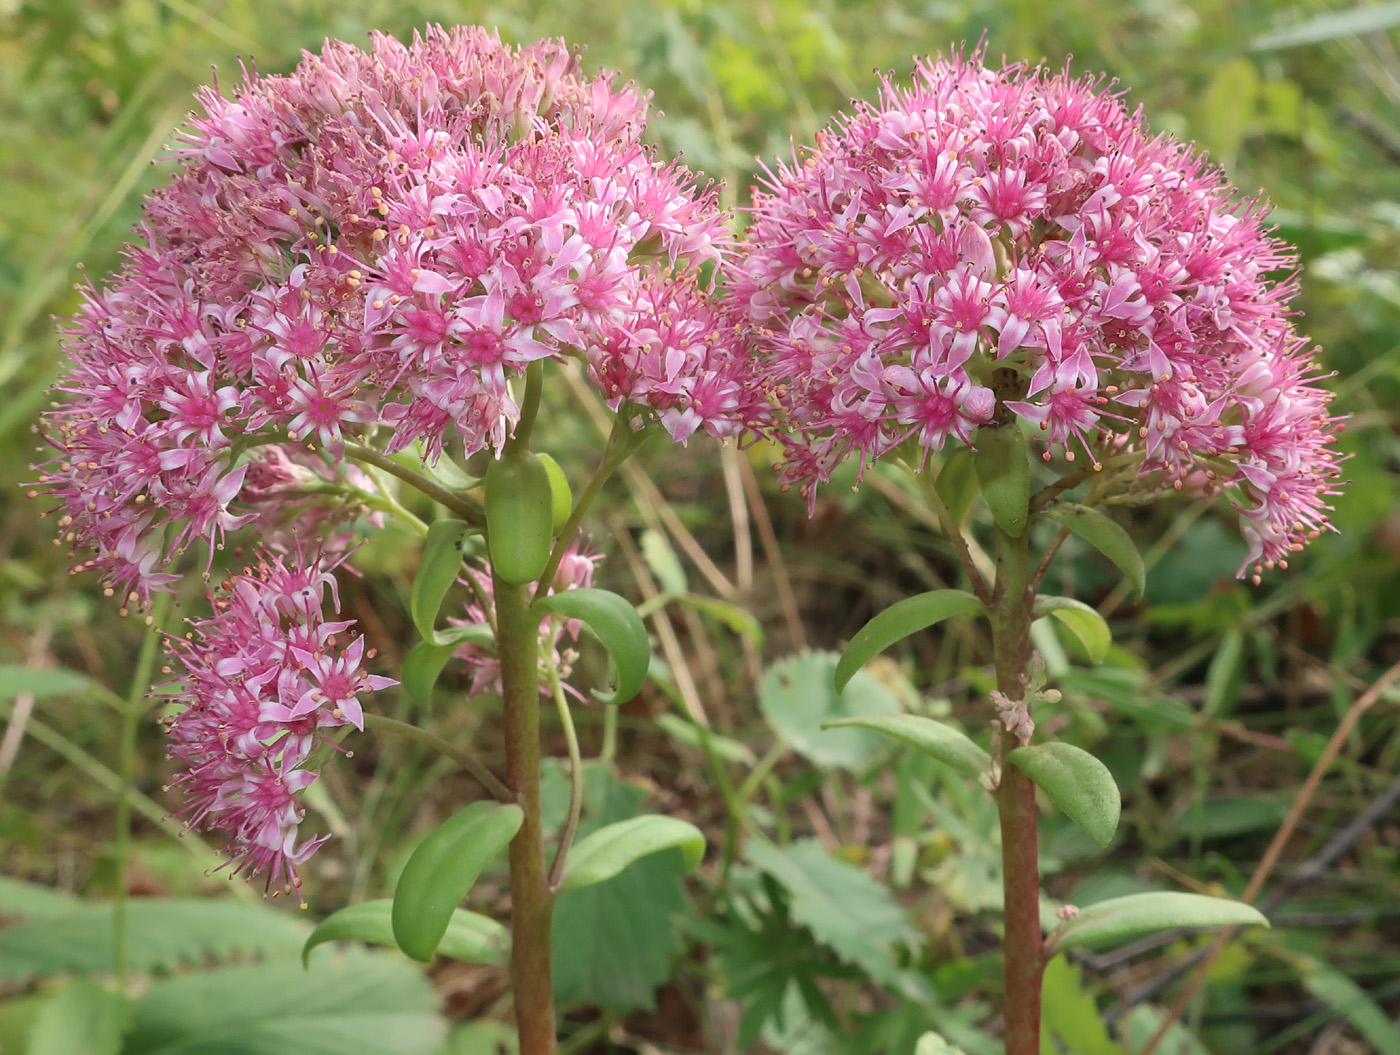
(864,923)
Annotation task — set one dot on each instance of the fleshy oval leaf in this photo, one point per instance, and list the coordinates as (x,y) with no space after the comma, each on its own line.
(470,937)
(425,660)
(615,622)
(899,621)
(948,745)
(1121,917)
(612,848)
(1083,622)
(1077,783)
(1002,461)
(437,571)
(443,868)
(1106,535)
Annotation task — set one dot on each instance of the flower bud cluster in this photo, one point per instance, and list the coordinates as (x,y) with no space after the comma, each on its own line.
(999,245)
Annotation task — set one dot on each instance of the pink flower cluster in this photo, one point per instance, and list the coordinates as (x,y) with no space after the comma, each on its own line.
(262,677)
(992,245)
(373,248)
(575,570)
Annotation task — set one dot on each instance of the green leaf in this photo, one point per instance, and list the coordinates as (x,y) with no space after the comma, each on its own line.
(899,621)
(18,898)
(841,905)
(358,1003)
(1077,783)
(1105,535)
(948,745)
(425,661)
(615,622)
(1002,459)
(46,681)
(1368,18)
(1121,917)
(470,937)
(1084,622)
(663,562)
(1070,1014)
(957,483)
(438,569)
(735,616)
(615,942)
(798,697)
(1352,1002)
(1142,1025)
(1225,675)
(443,868)
(692,735)
(82,1018)
(162,934)
(610,849)
(934,1044)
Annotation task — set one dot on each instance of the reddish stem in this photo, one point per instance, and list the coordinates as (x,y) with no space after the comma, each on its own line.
(532,904)
(1024,946)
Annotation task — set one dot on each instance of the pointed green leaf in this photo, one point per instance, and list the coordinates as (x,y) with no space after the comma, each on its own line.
(897,622)
(437,571)
(1084,622)
(609,850)
(1351,1002)
(1121,917)
(425,660)
(46,681)
(470,937)
(617,625)
(1077,782)
(950,746)
(443,868)
(1105,535)
(1002,459)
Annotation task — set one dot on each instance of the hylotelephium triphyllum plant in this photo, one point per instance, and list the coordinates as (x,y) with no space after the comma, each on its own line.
(988,254)
(356,278)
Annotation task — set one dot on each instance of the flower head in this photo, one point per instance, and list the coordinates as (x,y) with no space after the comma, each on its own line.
(261,678)
(372,249)
(990,245)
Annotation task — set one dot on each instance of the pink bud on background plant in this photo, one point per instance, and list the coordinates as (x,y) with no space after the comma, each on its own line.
(1016,238)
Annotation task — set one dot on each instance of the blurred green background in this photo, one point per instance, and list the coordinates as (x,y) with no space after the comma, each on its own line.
(1298,99)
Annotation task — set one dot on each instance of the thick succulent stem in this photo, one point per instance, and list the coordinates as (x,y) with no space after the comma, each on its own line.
(532,904)
(1023,947)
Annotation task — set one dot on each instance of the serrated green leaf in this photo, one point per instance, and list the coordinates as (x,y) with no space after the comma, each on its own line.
(82,1018)
(470,937)
(612,848)
(897,622)
(663,562)
(1077,782)
(425,661)
(438,569)
(1106,535)
(29,900)
(1121,917)
(615,942)
(442,870)
(1084,622)
(840,904)
(615,622)
(948,745)
(357,1003)
(162,934)
(1002,460)
(798,697)
(1069,1014)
